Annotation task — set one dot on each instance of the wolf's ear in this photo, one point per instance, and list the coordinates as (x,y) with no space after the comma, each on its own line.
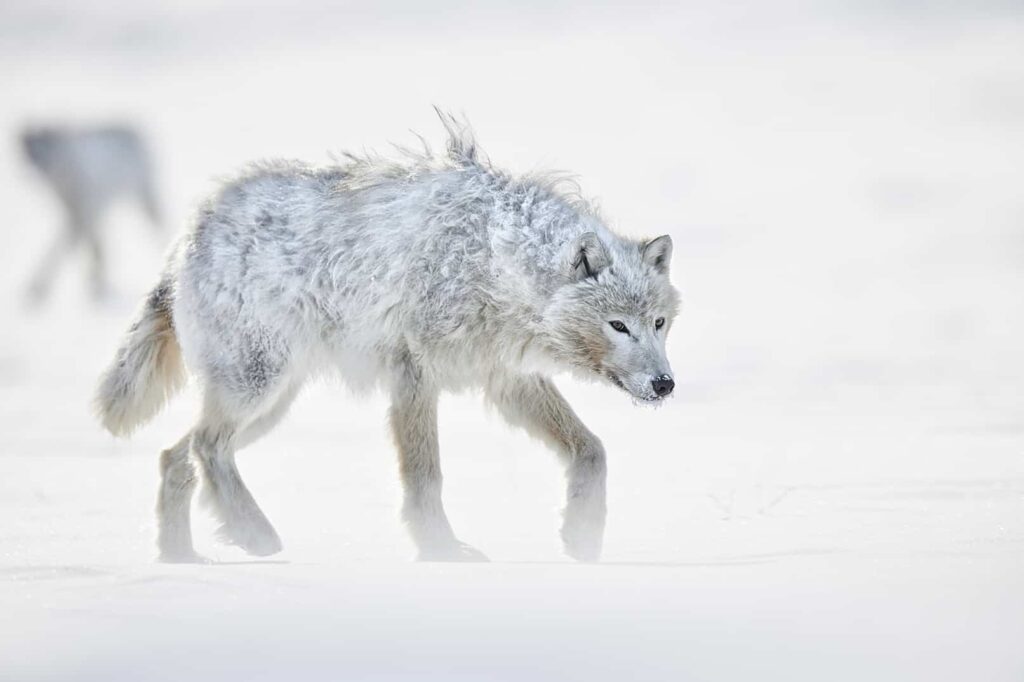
(658,252)
(587,256)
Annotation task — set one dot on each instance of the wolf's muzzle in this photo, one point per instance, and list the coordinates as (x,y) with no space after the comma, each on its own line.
(662,385)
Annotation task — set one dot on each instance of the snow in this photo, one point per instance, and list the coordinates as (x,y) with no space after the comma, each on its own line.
(836,492)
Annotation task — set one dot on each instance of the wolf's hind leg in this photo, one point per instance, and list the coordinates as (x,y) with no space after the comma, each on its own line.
(534,404)
(265,423)
(173,509)
(414,427)
(243,523)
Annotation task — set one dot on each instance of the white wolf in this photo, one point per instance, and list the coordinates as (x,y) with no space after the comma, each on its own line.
(435,273)
(89,169)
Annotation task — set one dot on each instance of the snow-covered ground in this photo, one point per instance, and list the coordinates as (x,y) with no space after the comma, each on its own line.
(836,492)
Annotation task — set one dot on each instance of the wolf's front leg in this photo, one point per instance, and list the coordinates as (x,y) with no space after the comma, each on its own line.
(414,427)
(585,508)
(533,403)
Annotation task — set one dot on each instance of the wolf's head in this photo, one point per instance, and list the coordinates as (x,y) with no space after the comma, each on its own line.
(611,317)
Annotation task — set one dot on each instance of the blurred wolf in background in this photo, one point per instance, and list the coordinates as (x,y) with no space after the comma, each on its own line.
(435,273)
(89,169)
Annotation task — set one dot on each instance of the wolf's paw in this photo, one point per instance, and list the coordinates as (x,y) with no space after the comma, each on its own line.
(583,549)
(256,538)
(583,536)
(458,551)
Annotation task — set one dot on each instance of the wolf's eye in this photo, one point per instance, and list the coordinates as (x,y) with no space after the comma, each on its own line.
(659,323)
(619,327)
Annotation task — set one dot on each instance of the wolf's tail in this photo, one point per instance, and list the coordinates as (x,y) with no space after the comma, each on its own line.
(147,369)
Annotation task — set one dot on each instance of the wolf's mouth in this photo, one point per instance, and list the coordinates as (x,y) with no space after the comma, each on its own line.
(640,398)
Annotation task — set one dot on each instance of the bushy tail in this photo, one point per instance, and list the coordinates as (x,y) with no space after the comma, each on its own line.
(147,369)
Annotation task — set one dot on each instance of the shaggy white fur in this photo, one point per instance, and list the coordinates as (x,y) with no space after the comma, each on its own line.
(427,274)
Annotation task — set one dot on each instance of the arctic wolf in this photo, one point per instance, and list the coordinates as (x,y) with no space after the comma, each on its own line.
(438,272)
(89,169)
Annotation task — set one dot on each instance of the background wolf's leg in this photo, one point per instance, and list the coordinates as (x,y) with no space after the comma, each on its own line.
(244,524)
(533,403)
(45,273)
(150,201)
(414,427)
(173,508)
(97,263)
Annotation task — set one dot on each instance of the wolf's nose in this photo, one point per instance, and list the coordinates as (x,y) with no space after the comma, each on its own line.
(663,385)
